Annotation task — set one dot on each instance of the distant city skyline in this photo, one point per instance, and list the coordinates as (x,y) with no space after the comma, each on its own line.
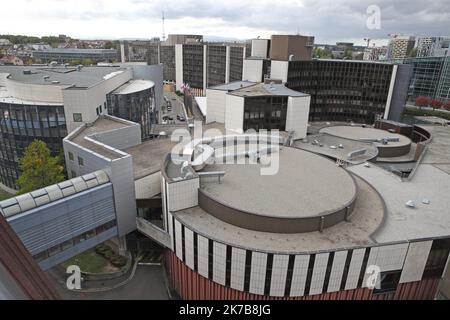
(329,21)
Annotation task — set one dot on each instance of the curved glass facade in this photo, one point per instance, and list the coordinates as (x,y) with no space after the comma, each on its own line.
(21,124)
(136,106)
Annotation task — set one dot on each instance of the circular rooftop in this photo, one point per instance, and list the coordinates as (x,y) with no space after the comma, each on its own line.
(307,193)
(391,149)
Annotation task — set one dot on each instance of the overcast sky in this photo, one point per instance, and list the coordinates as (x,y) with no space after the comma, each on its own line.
(328,20)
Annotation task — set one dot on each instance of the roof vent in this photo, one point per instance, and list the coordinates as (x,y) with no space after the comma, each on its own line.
(55,82)
(46,77)
(26,71)
(410,204)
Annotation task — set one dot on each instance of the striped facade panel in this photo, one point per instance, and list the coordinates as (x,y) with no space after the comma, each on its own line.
(52,224)
(192,286)
(189,248)
(202,244)
(299,275)
(355,268)
(178,241)
(318,276)
(219,262)
(258,273)
(279,272)
(237,269)
(415,261)
(337,271)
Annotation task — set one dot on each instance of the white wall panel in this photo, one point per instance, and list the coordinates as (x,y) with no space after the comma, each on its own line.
(415,261)
(279,272)
(178,244)
(258,272)
(318,275)
(337,270)
(299,275)
(355,268)
(219,262)
(189,248)
(237,269)
(202,255)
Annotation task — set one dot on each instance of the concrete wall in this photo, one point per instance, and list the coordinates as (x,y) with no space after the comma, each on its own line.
(234,113)
(120,138)
(178,65)
(252,70)
(215,101)
(35,92)
(279,70)
(260,48)
(399,92)
(297,115)
(149,186)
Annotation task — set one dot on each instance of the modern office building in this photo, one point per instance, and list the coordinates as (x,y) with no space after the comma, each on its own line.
(47,102)
(430,77)
(244,105)
(400,47)
(67,55)
(345,90)
(433,47)
(256,236)
(173,39)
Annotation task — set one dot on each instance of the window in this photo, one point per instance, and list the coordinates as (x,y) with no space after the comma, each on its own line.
(73,174)
(77,117)
(70,156)
(100,108)
(80,161)
(388,281)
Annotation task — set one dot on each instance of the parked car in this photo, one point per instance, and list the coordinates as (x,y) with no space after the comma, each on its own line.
(180,117)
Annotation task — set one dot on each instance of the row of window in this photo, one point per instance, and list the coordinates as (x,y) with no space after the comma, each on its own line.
(73,241)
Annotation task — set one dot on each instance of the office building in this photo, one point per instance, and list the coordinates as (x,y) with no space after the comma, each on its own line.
(430,77)
(433,47)
(291,47)
(400,46)
(48,102)
(68,55)
(345,90)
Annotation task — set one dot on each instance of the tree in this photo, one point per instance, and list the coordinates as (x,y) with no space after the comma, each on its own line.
(39,168)
(422,101)
(447,106)
(436,104)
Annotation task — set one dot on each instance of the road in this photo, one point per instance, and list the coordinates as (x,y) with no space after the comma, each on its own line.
(177,107)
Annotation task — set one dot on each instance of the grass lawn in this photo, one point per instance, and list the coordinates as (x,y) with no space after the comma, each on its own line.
(88,261)
(4,195)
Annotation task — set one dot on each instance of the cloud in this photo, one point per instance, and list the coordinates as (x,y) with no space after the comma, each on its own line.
(328,20)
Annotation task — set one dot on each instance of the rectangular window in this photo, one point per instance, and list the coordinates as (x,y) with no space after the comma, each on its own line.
(77,117)
(71,156)
(80,161)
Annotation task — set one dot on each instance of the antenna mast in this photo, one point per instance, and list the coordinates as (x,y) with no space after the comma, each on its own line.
(163,33)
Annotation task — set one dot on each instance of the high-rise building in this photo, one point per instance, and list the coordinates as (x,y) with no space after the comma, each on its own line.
(433,47)
(346,90)
(400,46)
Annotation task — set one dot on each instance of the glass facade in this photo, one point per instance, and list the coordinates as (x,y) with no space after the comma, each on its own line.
(342,90)
(216,65)
(137,106)
(265,112)
(193,65)
(236,63)
(21,124)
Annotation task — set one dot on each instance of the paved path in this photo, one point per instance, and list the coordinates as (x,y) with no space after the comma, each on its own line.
(147,284)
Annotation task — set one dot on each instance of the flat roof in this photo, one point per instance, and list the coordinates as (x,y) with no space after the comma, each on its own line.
(359,132)
(86,77)
(262,89)
(364,221)
(304,185)
(102,124)
(330,147)
(231,86)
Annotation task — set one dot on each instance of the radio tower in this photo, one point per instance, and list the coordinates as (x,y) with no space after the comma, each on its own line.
(163,33)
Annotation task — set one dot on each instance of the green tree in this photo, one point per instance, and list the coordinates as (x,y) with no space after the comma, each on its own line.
(39,168)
